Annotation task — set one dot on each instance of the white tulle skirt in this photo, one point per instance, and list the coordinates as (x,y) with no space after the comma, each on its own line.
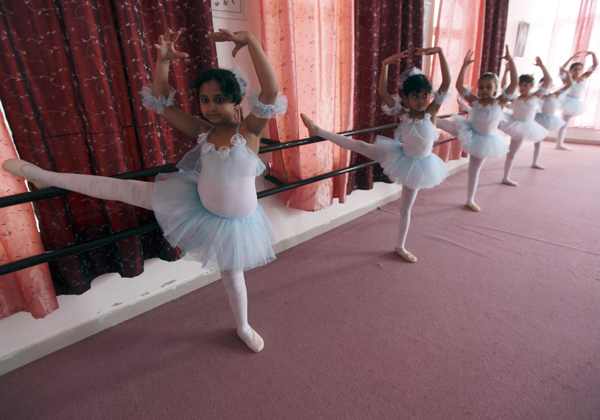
(549,122)
(476,144)
(528,130)
(413,172)
(216,242)
(571,105)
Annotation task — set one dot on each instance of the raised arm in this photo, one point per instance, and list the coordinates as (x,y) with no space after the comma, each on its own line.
(435,105)
(564,66)
(547,78)
(567,80)
(514,77)
(383,80)
(594,65)
(180,119)
(460,81)
(269,89)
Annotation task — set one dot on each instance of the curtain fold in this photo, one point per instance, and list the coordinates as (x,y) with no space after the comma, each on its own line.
(382,28)
(71,99)
(310,45)
(496,17)
(31,289)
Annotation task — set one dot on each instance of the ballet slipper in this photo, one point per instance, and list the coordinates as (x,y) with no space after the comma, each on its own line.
(406,255)
(15,167)
(563,148)
(312,127)
(473,207)
(256,344)
(509,182)
(538,166)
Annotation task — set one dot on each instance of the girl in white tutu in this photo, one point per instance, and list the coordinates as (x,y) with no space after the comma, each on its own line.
(521,124)
(571,102)
(209,208)
(547,117)
(478,134)
(407,158)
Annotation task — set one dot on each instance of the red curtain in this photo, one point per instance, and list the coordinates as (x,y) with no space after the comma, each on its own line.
(382,28)
(70,94)
(496,17)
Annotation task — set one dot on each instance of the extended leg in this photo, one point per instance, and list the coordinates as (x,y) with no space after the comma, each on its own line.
(365,149)
(447,125)
(238,300)
(475,165)
(560,138)
(515,145)
(406,202)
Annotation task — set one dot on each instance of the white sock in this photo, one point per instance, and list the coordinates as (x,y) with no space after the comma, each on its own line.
(137,193)
(238,300)
(475,165)
(406,202)
(358,146)
(560,138)
(515,145)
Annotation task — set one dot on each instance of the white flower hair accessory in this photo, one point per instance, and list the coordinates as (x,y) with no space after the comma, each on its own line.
(242,79)
(408,73)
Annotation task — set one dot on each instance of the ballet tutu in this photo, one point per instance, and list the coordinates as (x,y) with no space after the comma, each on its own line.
(217,242)
(549,122)
(479,145)
(413,172)
(529,130)
(571,105)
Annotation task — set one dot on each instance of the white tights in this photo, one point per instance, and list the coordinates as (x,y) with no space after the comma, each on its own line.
(139,193)
(475,165)
(515,145)
(406,202)
(560,138)
(361,147)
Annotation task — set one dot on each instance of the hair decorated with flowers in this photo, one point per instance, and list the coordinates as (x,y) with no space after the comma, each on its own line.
(414,80)
(234,83)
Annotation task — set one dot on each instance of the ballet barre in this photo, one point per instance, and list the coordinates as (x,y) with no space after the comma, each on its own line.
(270,146)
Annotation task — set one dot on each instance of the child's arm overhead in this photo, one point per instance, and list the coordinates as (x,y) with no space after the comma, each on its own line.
(514,78)
(180,119)
(269,88)
(383,80)
(564,66)
(547,78)
(435,105)
(594,65)
(567,80)
(464,92)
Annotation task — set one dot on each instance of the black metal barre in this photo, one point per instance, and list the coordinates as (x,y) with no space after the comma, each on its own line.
(272,145)
(140,230)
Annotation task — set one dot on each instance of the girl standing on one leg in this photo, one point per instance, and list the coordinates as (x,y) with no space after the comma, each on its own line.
(406,159)
(209,208)
(478,135)
(571,102)
(547,117)
(521,124)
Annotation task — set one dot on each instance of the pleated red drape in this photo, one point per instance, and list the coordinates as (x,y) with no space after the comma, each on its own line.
(495,19)
(71,73)
(382,28)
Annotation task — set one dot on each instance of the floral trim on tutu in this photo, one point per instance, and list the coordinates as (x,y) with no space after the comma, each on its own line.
(476,144)
(415,173)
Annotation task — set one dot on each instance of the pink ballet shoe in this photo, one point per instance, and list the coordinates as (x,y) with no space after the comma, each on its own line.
(312,127)
(15,167)
(256,344)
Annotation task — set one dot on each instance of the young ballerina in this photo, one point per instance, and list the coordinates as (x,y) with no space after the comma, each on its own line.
(209,208)
(406,159)
(478,134)
(571,101)
(547,117)
(521,124)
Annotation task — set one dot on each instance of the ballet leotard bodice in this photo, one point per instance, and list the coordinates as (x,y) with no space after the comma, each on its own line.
(417,136)
(525,110)
(485,119)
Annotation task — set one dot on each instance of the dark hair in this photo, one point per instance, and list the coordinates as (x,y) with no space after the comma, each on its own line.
(577,63)
(416,83)
(526,78)
(226,79)
(489,75)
